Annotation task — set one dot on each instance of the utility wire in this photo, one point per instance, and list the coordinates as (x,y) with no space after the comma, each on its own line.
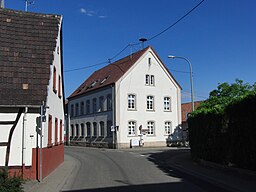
(176,21)
(78,69)
(134,44)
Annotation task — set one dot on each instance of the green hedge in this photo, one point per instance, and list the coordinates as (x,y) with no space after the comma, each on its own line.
(226,136)
(9,184)
(242,130)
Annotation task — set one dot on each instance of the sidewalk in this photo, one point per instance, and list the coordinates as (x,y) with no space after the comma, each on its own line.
(231,179)
(56,180)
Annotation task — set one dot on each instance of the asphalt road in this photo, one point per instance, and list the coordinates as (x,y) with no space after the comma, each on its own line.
(129,170)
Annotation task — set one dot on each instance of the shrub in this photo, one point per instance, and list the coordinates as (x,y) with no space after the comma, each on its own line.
(9,184)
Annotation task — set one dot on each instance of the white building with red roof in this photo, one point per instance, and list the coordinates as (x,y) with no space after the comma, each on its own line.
(134,101)
(31,74)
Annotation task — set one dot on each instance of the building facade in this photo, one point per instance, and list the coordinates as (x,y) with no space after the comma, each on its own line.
(31,74)
(132,102)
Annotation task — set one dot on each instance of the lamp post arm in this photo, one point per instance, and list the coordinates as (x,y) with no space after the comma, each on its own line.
(191,79)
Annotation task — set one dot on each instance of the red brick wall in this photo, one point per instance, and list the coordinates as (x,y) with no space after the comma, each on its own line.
(52,158)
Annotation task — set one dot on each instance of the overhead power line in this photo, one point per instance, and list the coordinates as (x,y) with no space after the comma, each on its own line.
(134,44)
(176,22)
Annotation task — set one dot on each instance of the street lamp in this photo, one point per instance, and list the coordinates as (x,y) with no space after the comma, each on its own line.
(191,78)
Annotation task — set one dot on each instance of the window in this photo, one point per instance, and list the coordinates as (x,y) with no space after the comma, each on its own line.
(72,111)
(103,80)
(131,128)
(94,105)
(150,80)
(77,109)
(77,130)
(151,128)
(131,102)
(147,79)
(109,102)
(88,106)
(54,79)
(168,128)
(109,124)
(82,130)
(59,87)
(102,132)
(56,131)
(149,61)
(101,104)
(72,131)
(49,131)
(88,126)
(82,108)
(95,129)
(167,104)
(61,131)
(150,103)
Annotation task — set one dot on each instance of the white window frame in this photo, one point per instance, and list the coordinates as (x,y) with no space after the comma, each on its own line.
(147,79)
(109,102)
(151,128)
(167,127)
(131,102)
(150,102)
(152,80)
(101,103)
(167,104)
(131,128)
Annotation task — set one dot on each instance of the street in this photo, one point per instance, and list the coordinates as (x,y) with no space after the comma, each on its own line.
(130,170)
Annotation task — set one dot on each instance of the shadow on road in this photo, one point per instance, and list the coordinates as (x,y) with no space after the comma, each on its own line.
(178,186)
(172,162)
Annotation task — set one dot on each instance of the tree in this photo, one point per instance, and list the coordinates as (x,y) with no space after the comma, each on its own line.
(227,93)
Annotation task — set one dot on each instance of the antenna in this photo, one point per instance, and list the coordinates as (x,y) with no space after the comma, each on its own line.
(28,3)
(2,4)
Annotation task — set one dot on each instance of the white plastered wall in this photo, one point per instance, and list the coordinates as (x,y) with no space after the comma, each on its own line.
(133,82)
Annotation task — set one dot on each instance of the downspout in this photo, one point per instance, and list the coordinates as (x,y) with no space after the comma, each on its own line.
(23,140)
(114,116)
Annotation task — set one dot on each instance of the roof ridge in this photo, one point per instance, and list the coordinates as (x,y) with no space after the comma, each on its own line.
(114,70)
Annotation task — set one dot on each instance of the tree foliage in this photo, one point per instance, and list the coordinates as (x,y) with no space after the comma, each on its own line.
(225,94)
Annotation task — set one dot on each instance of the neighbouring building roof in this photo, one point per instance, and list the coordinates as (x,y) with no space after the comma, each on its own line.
(111,73)
(186,108)
(27,43)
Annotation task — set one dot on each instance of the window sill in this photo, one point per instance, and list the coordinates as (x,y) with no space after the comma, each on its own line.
(49,145)
(131,109)
(151,135)
(150,110)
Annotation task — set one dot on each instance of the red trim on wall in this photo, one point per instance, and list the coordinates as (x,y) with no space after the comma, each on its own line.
(52,158)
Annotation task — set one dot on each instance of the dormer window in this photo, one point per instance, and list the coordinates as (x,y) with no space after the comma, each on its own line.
(103,80)
(93,84)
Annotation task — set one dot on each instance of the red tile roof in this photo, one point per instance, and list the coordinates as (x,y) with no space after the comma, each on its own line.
(187,108)
(27,43)
(109,74)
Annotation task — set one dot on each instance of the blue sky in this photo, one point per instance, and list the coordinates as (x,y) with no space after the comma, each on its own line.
(219,37)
